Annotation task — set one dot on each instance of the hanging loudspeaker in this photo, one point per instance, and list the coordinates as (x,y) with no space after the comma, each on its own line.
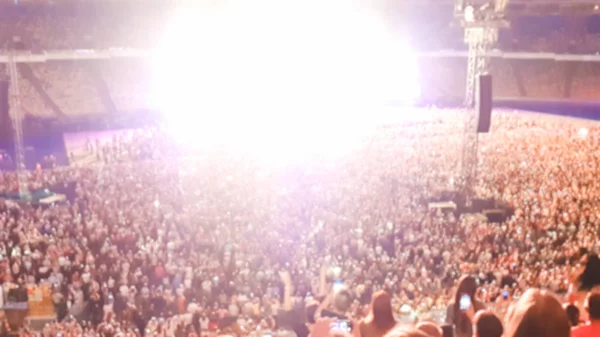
(483,102)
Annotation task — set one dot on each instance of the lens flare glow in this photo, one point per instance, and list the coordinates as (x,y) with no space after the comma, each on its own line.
(279,75)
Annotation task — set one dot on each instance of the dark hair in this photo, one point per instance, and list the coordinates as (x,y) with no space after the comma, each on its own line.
(488,325)
(342,300)
(590,277)
(593,306)
(573,313)
(467,285)
(380,314)
(310,311)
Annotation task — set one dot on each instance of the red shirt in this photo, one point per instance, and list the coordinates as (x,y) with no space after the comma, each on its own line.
(589,330)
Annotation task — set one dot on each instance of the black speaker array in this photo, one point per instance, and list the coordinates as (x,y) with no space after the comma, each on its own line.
(4,117)
(483,102)
(6,136)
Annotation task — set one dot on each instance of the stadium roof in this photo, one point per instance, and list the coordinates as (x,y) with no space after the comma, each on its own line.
(515,7)
(529,7)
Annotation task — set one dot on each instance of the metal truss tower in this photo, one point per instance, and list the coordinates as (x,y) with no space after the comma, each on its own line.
(16,117)
(481,35)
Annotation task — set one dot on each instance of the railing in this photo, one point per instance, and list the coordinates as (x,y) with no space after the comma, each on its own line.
(90,54)
(74,54)
(516,55)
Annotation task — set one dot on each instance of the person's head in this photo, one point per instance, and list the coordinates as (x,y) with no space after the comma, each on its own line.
(592,305)
(590,277)
(573,313)
(430,328)
(342,301)
(486,324)
(380,312)
(537,313)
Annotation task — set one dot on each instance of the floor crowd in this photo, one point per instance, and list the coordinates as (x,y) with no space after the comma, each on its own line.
(205,243)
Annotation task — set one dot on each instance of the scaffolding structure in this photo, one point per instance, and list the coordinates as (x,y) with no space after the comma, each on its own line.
(481,35)
(16,117)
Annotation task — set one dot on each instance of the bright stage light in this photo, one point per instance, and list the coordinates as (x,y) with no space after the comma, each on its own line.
(272,73)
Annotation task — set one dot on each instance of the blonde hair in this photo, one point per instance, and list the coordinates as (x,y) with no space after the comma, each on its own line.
(538,313)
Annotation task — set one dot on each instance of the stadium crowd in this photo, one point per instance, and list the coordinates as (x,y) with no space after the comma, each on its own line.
(222,242)
(157,243)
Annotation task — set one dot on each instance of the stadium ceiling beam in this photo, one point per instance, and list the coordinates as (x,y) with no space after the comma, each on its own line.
(514,55)
(75,54)
(88,54)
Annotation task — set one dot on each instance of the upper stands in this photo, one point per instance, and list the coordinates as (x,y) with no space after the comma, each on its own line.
(68,88)
(128,83)
(33,104)
(60,27)
(446,77)
(76,93)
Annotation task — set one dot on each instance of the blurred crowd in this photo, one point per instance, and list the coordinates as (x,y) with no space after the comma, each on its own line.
(159,243)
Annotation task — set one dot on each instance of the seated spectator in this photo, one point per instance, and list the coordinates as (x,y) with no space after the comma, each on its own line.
(486,324)
(537,313)
(592,328)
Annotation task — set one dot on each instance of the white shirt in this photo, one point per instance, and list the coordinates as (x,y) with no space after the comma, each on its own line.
(204,323)
(234,309)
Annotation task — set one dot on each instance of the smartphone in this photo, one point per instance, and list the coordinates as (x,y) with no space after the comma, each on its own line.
(505,294)
(338,285)
(465,302)
(341,326)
